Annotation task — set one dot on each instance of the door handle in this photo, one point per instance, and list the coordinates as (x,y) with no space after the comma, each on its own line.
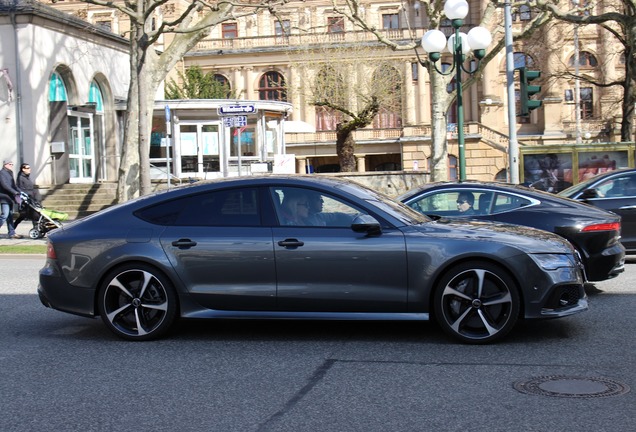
(184,243)
(291,243)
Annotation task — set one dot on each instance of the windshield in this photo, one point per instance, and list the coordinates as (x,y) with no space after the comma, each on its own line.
(573,190)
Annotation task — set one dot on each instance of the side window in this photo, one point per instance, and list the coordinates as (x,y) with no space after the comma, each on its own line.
(618,187)
(306,207)
(504,202)
(232,207)
(452,203)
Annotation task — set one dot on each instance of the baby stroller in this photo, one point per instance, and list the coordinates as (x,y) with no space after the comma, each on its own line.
(44,220)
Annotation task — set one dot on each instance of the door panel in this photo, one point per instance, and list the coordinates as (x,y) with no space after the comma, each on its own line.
(338,270)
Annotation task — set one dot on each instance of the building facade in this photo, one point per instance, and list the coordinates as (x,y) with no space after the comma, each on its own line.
(264,57)
(61,82)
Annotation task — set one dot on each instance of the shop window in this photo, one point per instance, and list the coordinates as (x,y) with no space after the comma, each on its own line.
(272,87)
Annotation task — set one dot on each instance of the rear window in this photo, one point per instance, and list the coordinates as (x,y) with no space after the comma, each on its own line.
(232,207)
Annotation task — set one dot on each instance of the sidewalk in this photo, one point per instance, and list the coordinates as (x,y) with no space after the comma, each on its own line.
(23,230)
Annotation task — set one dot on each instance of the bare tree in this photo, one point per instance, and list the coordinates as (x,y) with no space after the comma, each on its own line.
(189,23)
(619,19)
(442,100)
(350,85)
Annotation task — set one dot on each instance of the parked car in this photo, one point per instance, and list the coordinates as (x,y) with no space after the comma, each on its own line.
(303,247)
(614,191)
(594,233)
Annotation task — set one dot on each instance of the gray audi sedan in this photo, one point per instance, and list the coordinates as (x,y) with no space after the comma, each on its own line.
(303,247)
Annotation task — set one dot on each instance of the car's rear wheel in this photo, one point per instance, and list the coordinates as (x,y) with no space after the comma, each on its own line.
(477,302)
(137,302)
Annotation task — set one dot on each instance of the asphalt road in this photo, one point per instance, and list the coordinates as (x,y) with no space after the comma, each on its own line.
(60,372)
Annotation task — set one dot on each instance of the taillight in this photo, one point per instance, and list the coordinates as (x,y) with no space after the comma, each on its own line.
(614,226)
(50,252)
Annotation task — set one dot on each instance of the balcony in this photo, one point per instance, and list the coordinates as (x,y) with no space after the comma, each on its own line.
(298,40)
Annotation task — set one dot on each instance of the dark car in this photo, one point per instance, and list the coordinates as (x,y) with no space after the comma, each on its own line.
(594,233)
(303,247)
(614,191)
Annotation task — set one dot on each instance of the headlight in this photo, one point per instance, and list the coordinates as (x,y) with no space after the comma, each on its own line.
(553,261)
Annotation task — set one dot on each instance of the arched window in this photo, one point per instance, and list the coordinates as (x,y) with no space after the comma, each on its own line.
(95,96)
(586,60)
(390,114)
(223,89)
(272,87)
(57,89)
(328,86)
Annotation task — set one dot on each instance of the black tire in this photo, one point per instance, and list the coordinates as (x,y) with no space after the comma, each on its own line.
(477,302)
(137,302)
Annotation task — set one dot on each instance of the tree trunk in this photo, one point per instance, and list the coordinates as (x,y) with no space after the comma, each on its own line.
(629,94)
(439,123)
(345,148)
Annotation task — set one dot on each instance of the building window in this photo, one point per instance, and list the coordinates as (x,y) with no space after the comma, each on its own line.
(452,167)
(335,25)
(95,96)
(327,119)
(390,21)
(281,28)
(272,87)
(522,59)
(415,71)
(224,85)
(523,14)
(390,115)
(57,89)
(520,119)
(106,25)
(229,30)
(587,103)
(586,60)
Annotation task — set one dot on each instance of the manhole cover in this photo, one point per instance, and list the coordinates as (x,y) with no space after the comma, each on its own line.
(571,387)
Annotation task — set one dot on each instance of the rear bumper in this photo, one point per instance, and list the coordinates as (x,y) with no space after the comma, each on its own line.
(606,265)
(56,293)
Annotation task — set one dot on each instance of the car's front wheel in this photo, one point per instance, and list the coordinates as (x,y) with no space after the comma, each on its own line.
(477,302)
(137,302)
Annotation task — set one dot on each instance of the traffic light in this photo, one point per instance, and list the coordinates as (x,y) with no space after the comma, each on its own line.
(527,90)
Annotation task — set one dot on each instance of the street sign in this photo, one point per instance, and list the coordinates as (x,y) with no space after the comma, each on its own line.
(235,121)
(237,109)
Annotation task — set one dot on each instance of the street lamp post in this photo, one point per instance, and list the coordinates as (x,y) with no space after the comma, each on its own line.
(459,44)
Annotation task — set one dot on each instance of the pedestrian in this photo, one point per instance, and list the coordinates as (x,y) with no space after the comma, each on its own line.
(26,185)
(9,195)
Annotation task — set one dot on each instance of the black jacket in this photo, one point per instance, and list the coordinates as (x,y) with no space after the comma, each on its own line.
(27,186)
(8,188)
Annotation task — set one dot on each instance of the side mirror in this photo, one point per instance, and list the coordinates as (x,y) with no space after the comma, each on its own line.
(589,194)
(366,224)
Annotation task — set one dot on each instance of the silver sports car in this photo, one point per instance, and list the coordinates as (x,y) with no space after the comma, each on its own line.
(303,247)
